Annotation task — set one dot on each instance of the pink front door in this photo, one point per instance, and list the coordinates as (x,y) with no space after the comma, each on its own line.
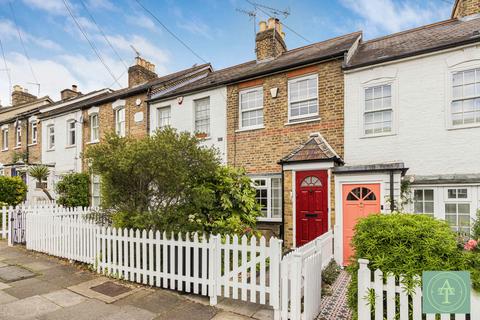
(311,205)
(358,201)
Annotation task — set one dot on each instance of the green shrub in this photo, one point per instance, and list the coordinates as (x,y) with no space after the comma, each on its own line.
(12,190)
(330,273)
(476,227)
(73,190)
(403,244)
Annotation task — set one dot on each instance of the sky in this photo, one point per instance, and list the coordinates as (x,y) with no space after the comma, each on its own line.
(56,54)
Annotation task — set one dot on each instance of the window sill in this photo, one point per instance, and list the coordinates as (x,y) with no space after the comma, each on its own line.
(4,150)
(32,144)
(269,220)
(93,142)
(389,134)
(70,147)
(293,122)
(463,126)
(250,129)
(18,147)
(51,149)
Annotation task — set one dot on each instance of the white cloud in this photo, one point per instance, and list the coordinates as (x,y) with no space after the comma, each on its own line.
(9,32)
(142,21)
(191,24)
(386,16)
(101,4)
(52,6)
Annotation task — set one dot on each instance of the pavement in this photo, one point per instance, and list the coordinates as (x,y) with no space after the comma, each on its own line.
(42,287)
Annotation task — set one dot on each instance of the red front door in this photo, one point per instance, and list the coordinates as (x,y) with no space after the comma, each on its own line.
(311,205)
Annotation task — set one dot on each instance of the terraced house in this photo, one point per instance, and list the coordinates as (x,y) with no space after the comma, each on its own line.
(20,137)
(412,106)
(285,127)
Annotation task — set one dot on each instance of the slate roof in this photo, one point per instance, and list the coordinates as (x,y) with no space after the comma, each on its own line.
(315,149)
(425,39)
(317,52)
(11,113)
(122,93)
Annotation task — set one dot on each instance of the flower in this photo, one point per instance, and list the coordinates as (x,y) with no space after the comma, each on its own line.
(470,245)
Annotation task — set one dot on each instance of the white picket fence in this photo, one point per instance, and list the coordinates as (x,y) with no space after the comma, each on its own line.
(245,268)
(301,277)
(385,288)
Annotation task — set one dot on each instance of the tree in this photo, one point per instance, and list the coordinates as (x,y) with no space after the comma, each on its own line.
(12,190)
(41,173)
(73,190)
(167,181)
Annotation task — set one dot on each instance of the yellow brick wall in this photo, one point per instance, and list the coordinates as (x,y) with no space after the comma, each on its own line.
(466,8)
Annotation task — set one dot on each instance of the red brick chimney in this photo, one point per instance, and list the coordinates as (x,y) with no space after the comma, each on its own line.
(143,71)
(269,41)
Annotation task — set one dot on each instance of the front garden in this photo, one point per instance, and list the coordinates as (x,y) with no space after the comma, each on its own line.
(405,245)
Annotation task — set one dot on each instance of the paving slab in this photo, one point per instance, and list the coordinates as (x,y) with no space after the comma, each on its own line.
(239,307)
(86,289)
(229,316)
(40,265)
(88,310)
(27,308)
(156,301)
(130,313)
(263,314)
(6,298)
(15,273)
(189,310)
(27,290)
(64,298)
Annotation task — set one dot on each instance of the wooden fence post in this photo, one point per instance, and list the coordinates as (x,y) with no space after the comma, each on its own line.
(10,226)
(364,283)
(276,249)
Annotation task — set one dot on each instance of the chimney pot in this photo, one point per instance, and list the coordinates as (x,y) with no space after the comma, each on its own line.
(271,23)
(17,88)
(74,87)
(262,25)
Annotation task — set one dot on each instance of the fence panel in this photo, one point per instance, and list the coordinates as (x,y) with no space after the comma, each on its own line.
(385,290)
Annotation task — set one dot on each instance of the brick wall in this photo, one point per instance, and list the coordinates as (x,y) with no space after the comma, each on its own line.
(106,117)
(259,151)
(288,209)
(466,8)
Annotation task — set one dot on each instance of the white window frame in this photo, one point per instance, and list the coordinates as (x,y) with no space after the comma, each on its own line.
(423,201)
(34,131)
(94,130)
(69,131)
(96,181)
(159,112)
(450,99)
(5,139)
(268,187)
(457,201)
(392,109)
(209,116)
(50,133)
(307,116)
(18,135)
(120,125)
(241,112)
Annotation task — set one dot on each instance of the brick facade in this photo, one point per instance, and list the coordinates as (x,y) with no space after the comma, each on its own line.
(34,151)
(258,151)
(464,8)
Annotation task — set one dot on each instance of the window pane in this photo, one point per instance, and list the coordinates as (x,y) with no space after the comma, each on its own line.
(428,207)
(418,207)
(464,208)
(452,193)
(418,195)
(462,193)
(450,208)
(428,194)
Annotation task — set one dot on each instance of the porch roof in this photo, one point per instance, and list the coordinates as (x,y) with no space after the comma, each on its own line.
(445,179)
(395,166)
(315,149)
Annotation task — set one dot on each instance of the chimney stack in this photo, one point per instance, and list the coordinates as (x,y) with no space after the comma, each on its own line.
(143,71)
(67,93)
(21,96)
(270,40)
(463,8)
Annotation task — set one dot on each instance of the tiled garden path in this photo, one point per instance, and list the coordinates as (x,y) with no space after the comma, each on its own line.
(335,307)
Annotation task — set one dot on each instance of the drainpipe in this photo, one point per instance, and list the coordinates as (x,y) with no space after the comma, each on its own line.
(392,200)
(282,225)
(27,152)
